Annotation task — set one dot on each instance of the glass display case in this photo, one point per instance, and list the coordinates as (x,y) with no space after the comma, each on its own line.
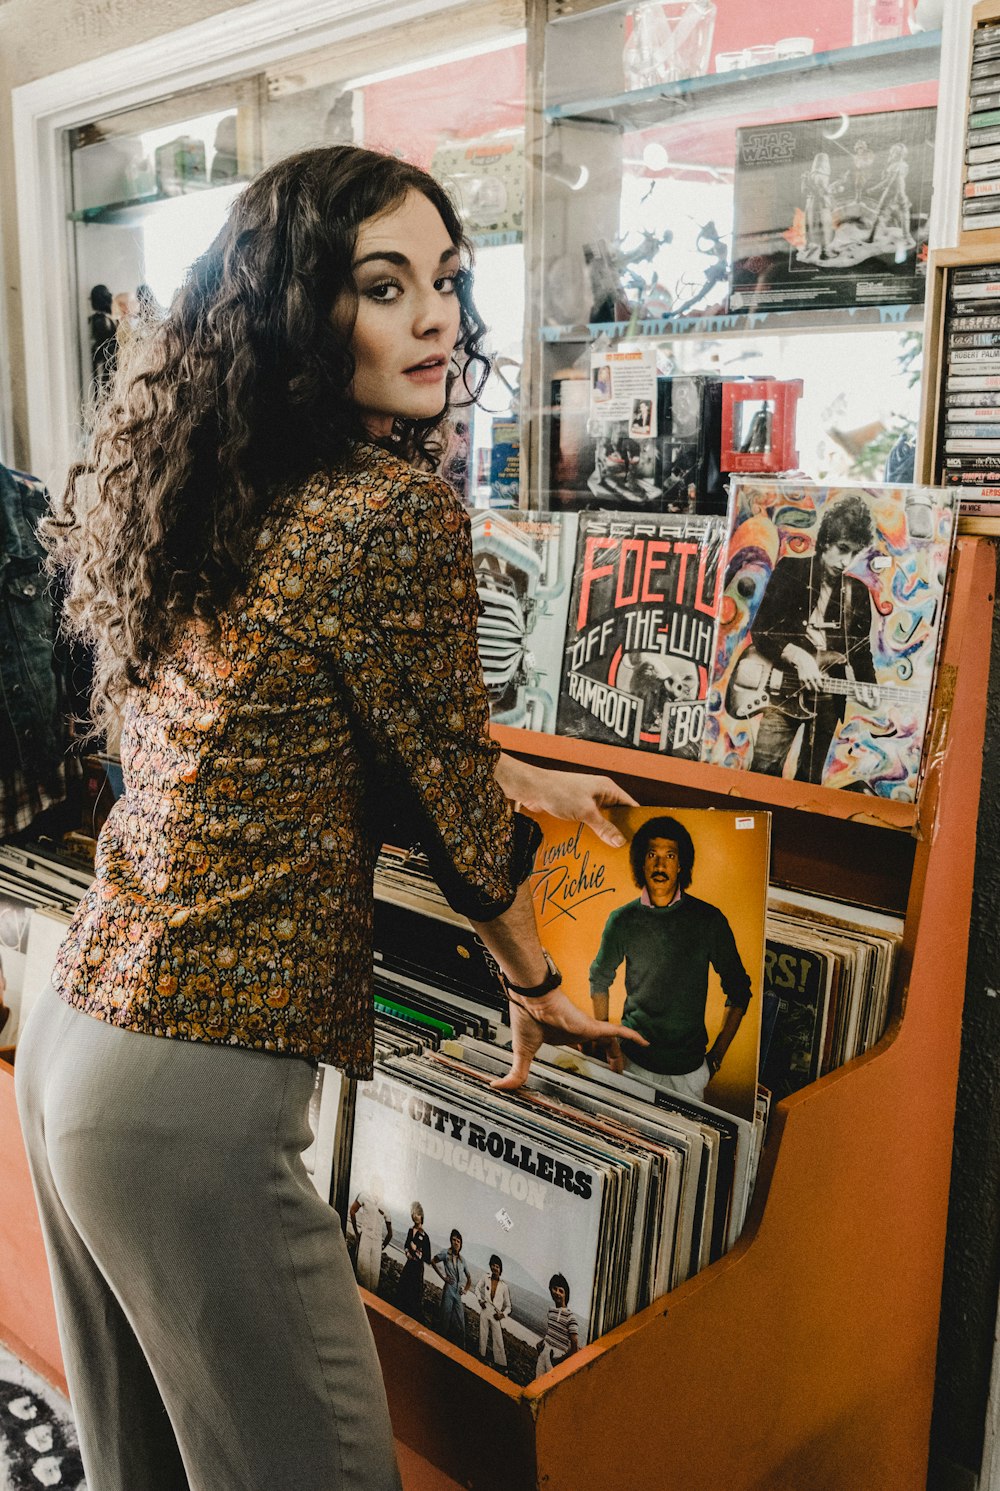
(735,210)
(149,188)
(727,216)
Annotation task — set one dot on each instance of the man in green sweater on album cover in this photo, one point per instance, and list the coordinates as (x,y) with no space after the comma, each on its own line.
(668,939)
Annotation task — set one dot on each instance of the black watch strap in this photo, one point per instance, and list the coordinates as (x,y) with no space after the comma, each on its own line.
(552,980)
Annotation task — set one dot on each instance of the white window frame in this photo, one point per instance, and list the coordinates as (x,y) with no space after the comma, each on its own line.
(251,37)
(6,383)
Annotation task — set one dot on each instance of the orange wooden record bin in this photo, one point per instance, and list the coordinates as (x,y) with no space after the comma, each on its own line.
(805,1357)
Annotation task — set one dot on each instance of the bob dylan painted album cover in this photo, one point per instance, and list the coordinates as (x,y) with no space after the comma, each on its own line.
(828,633)
(594,917)
(832,211)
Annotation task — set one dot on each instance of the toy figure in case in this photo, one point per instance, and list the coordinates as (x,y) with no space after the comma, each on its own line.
(180,165)
(832,211)
(758,425)
(710,243)
(617,464)
(103,347)
(818,190)
(487,177)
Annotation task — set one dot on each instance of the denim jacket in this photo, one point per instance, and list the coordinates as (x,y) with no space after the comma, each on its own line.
(30,731)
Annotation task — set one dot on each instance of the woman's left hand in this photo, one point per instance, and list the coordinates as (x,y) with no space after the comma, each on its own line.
(575,796)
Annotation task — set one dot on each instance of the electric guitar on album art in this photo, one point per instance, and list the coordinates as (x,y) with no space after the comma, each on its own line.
(756,683)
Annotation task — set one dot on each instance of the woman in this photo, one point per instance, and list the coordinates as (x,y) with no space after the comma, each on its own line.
(283,608)
(417,1252)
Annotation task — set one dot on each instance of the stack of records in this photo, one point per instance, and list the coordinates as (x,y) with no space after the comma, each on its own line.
(39,891)
(522,1225)
(828,972)
(969,423)
(981,194)
(421,943)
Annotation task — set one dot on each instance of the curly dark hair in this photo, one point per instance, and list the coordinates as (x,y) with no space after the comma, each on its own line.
(240,389)
(662,828)
(849,520)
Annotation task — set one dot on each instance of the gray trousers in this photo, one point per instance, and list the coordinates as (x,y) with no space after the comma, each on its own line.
(212,1331)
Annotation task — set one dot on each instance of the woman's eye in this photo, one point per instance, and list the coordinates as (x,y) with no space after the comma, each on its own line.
(385,292)
(447,283)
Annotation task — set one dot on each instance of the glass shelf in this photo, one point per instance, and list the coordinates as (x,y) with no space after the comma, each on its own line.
(137,210)
(814,79)
(743,324)
(497,240)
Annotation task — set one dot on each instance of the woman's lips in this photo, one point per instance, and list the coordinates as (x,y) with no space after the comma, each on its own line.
(426,372)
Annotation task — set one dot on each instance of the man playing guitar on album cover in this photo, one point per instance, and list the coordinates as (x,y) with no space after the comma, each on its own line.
(811,637)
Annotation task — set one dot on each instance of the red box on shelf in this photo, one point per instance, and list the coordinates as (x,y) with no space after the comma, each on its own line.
(760,437)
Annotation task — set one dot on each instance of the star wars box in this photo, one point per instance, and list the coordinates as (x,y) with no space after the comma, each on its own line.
(832,212)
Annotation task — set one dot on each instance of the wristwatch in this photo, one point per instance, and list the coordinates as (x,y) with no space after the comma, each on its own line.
(552,980)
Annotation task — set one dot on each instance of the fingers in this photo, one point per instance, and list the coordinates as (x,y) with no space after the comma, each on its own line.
(519,1071)
(516,1077)
(625,1033)
(613,796)
(604,829)
(607,794)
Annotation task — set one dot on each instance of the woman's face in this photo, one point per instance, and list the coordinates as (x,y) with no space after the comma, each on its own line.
(408,313)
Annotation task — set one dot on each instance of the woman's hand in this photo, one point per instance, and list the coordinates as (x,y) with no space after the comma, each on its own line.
(575,796)
(554,1019)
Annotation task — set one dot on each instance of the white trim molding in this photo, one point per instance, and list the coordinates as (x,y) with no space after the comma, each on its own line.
(6,384)
(250,37)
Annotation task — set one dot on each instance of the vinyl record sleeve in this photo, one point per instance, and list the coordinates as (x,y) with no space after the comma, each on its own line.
(476,1167)
(641,629)
(587,900)
(797,979)
(524,574)
(878,619)
(832,212)
(679,1230)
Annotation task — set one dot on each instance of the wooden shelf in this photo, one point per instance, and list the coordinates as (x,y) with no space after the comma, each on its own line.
(806,1355)
(718,781)
(821,1323)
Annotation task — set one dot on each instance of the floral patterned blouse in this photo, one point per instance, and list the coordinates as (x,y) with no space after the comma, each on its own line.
(340,703)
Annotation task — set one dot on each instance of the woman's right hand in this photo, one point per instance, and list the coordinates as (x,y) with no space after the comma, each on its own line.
(554,1019)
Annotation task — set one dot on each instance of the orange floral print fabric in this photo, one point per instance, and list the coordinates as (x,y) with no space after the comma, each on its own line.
(265,762)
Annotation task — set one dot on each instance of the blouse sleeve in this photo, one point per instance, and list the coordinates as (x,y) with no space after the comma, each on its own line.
(412,671)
